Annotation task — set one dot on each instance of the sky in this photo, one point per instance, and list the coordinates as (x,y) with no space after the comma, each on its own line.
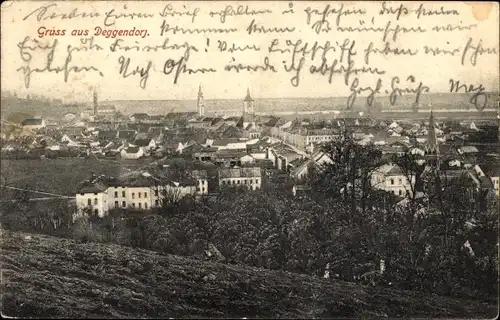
(433,71)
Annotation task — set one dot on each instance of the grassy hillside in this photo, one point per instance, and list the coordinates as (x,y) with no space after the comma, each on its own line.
(52,277)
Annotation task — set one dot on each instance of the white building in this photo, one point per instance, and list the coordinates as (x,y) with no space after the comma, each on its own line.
(100,194)
(390,177)
(201,181)
(132,153)
(250,177)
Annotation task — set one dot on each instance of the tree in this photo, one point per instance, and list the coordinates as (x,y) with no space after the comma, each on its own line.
(351,168)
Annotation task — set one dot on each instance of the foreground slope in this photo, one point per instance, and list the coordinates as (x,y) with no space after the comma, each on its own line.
(51,277)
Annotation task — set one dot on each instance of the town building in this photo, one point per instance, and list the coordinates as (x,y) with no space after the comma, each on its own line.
(132,153)
(250,177)
(141,191)
(390,177)
(247,122)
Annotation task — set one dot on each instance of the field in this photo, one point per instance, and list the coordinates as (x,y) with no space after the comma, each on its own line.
(44,276)
(61,176)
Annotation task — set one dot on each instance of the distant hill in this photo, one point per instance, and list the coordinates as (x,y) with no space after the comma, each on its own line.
(51,277)
(37,108)
(449,101)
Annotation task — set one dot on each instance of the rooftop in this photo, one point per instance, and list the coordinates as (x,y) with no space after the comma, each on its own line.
(32,122)
(240,173)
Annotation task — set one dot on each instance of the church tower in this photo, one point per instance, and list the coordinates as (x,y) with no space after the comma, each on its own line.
(200,106)
(432,147)
(248,111)
(248,104)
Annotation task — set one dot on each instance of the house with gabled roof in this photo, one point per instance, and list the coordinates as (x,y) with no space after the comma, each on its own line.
(147,144)
(391,178)
(132,153)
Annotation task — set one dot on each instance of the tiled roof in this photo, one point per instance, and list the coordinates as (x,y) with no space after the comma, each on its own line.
(390,169)
(272,122)
(132,150)
(32,122)
(126,134)
(141,142)
(108,134)
(486,182)
(216,120)
(491,170)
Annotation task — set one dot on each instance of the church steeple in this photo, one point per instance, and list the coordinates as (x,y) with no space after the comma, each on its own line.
(432,146)
(248,110)
(199,105)
(248,97)
(431,135)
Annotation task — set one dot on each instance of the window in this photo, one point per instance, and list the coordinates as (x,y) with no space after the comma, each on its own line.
(392,182)
(133,195)
(96,212)
(116,194)
(256,180)
(124,204)
(95,201)
(203,189)
(156,203)
(81,194)
(123,194)
(238,181)
(145,205)
(400,192)
(89,202)
(140,205)
(133,204)
(246,181)
(116,204)
(145,194)
(139,195)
